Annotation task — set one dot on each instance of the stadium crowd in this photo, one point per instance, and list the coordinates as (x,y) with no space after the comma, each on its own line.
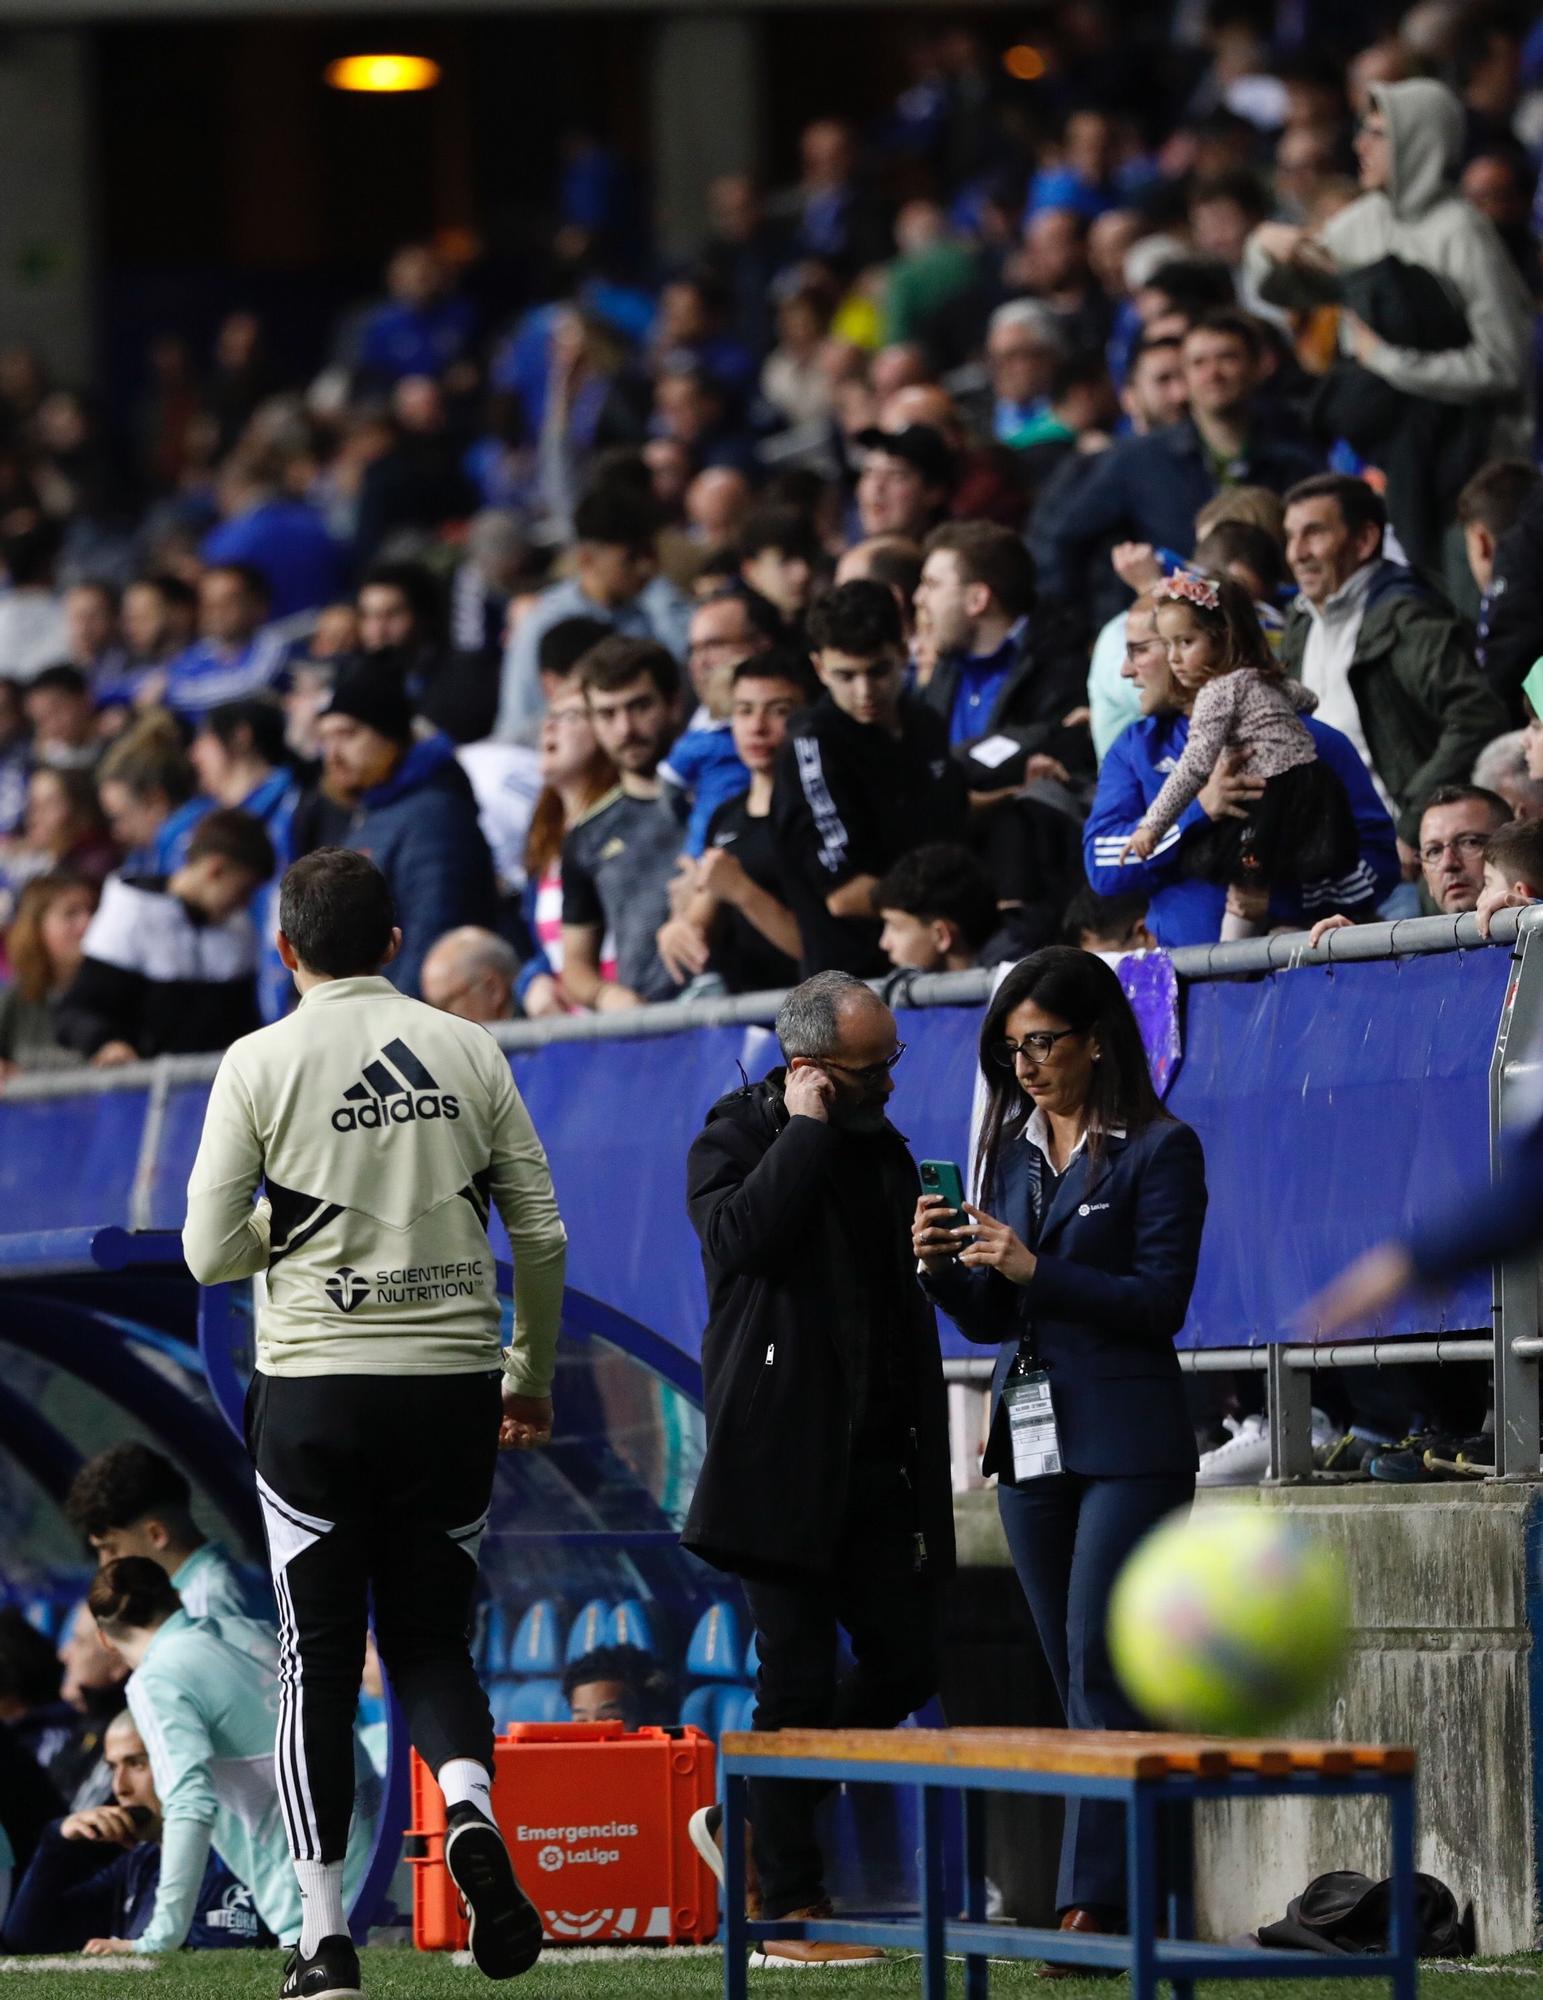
(1117,521)
(1118,525)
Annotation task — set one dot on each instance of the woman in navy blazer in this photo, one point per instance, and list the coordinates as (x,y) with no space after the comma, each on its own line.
(1080,1265)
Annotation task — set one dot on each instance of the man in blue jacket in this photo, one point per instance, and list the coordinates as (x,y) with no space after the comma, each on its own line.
(95,1873)
(283,539)
(1184,909)
(1149,489)
(415,815)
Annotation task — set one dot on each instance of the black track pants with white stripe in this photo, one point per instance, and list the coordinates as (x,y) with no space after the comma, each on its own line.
(374,1490)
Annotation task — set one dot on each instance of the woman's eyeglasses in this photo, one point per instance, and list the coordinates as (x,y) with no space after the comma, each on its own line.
(1036,1047)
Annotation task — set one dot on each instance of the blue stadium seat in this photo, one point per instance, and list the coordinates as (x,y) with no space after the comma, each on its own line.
(630,1626)
(501,1691)
(703,1708)
(493,1640)
(536,1701)
(752,1660)
(738,1711)
(716,1650)
(48,1614)
(537,1648)
(588,1630)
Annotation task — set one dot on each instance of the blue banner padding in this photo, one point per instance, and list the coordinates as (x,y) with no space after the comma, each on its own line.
(68,1162)
(1336,1109)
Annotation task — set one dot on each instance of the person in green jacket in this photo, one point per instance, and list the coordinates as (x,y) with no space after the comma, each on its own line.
(204,1693)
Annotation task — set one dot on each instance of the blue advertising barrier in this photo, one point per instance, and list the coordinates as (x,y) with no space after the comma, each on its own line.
(1336,1106)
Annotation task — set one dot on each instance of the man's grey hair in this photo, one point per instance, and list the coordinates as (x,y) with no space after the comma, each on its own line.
(1037,320)
(1505,758)
(1502,768)
(809,1019)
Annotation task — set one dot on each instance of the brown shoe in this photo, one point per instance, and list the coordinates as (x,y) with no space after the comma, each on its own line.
(1079,1919)
(705,1828)
(787,1954)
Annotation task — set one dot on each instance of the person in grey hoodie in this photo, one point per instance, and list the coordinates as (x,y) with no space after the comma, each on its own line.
(1410,148)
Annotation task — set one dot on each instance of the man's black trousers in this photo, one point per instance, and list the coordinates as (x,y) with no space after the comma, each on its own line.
(889,1611)
(374,1489)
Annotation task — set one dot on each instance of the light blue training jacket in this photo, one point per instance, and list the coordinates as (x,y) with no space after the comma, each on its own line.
(206,1701)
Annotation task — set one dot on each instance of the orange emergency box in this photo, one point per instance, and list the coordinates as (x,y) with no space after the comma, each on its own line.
(595,1818)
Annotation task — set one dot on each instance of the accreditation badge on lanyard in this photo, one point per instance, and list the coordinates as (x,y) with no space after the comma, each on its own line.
(1030,1413)
(1031,1426)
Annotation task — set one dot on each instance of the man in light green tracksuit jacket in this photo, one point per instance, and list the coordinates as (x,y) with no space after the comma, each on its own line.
(204,1695)
(381,1134)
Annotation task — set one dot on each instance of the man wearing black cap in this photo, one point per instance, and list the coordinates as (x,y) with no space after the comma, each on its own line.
(415,815)
(904,481)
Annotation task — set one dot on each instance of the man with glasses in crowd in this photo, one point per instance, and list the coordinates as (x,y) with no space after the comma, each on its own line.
(1454,829)
(824,1484)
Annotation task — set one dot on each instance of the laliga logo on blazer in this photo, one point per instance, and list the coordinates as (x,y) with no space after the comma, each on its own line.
(397,1090)
(347,1288)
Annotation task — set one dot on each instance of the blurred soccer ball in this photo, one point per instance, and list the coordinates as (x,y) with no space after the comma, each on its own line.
(1228,1620)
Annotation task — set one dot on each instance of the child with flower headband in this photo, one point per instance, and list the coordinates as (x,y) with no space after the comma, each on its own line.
(1300,832)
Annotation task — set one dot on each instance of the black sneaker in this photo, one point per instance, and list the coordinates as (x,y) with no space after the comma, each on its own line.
(330,1973)
(1347,1458)
(1408,1464)
(505,1934)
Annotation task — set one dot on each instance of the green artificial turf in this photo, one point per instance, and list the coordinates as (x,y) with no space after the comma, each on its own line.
(574,1974)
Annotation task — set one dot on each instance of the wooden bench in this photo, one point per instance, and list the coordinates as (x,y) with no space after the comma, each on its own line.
(1158,1778)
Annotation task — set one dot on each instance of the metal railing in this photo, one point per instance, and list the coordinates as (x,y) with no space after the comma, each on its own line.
(1412,937)
(1514,1346)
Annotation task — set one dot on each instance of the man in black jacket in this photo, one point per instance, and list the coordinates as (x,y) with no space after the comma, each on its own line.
(825,1482)
(862,777)
(1149,489)
(170,963)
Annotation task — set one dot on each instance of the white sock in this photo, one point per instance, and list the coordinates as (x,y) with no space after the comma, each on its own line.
(321,1903)
(465,1782)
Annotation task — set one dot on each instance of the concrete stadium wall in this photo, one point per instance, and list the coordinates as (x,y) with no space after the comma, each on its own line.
(1445,1589)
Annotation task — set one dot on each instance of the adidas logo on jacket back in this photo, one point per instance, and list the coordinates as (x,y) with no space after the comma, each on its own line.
(396,1090)
(382,1132)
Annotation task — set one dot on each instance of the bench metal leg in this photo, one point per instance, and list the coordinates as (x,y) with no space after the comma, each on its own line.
(934,1895)
(976,1966)
(1141,1891)
(735,1941)
(1178,1818)
(1402,1938)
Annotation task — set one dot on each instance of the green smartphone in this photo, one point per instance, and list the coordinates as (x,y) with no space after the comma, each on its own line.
(944,1178)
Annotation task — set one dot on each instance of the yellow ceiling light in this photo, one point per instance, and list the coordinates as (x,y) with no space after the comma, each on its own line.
(1024,63)
(383,73)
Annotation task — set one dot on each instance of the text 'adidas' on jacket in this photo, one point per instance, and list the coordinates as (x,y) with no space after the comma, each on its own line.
(381,1131)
